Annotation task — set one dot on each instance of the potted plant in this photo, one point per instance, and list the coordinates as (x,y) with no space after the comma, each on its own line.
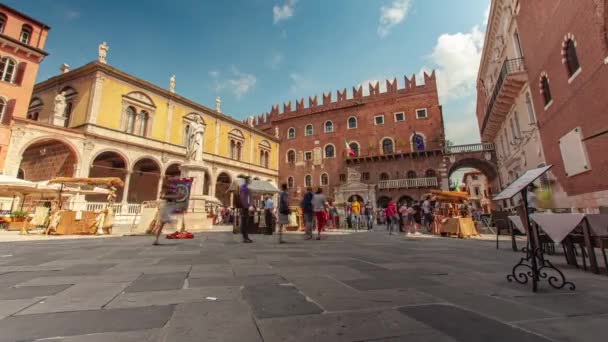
(18,216)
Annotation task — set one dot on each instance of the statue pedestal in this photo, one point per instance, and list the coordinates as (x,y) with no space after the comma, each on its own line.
(196,217)
(58,120)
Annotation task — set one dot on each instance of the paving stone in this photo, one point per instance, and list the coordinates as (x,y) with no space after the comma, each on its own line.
(489,306)
(158,282)
(87,296)
(11,279)
(12,306)
(569,304)
(239,281)
(200,294)
(151,335)
(571,329)
(212,321)
(468,326)
(278,301)
(252,270)
(207,271)
(31,291)
(391,280)
(109,278)
(357,326)
(146,269)
(32,327)
(77,270)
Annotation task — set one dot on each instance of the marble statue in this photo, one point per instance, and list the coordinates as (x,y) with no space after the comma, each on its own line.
(60,104)
(195,142)
(172,84)
(218,104)
(276,132)
(103,52)
(250,121)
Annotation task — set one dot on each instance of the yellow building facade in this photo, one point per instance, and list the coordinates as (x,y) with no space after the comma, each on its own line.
(97,121)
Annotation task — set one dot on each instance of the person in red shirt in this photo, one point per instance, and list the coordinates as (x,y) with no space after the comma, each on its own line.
(391,213)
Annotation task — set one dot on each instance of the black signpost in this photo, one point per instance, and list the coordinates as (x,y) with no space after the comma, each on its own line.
(533,267)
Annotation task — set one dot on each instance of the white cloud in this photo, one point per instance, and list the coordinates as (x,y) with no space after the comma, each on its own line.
(392,15)
(281,13)
(71,14)
(239,83)
(486,15)
(463,129)
(275,60)
(456,57)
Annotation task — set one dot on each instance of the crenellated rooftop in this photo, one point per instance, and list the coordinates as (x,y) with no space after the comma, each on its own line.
(342,100)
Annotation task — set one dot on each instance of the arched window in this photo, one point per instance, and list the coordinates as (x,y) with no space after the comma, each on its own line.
(329,126)
(291,157)
(186,135)
(239,150)
(324,179)
(7,69)
(430,173)
(571,58)
(232,149)
(355,148)
(290,182)
(130,120)
(291,133)
(308,181)
(352,122)
(545,90)
(33,116)
(2,22)
(2,108)
(330,151)
(308,131)
(418,142)
(387,146)
(68,114)
(411,174)
(143,123)
(384,176)
(26,34)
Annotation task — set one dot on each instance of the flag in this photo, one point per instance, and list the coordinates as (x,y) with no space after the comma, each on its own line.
(349,150)
(418,142)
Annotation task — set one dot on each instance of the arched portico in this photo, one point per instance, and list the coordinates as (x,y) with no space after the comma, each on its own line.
(144,181)
(48,158)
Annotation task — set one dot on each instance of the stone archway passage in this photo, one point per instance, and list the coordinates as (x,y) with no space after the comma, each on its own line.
(383,202)
(404,199)
(221,188)
(143,185)
(487,168)
(353,197)
(172,171)
(108,164)
(48,159)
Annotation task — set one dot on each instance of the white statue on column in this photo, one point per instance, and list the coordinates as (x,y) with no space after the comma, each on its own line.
(172,84)
(195,141)
(60,104)
(218,104)
(103,52)
(276,132)
(250,121)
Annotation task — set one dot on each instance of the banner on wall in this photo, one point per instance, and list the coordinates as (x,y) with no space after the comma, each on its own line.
(180,188)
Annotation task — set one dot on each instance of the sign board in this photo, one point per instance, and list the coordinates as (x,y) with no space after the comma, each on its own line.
(521,183)
(352,175)
(179,187)
(317,156)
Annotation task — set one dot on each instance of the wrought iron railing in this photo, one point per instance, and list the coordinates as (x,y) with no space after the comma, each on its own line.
(483,147)
(510,66)
(408,183)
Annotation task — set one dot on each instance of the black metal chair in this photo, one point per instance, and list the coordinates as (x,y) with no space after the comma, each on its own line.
(503,225)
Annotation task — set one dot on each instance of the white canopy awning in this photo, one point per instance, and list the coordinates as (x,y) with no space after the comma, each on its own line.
(256,186)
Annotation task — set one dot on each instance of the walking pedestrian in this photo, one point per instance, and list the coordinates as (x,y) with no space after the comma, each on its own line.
(427,211)
(307,213)
(355,208)
(391,212)
(269,214)
(318,203)
(246,208)
(369,215)
(333,216)
(166,211)
(283,211)
(403,216)
(417,217)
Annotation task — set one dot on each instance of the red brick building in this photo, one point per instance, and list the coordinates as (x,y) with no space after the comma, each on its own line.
(565,44)
(397,138)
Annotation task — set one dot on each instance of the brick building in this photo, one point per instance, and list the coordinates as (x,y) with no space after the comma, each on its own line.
(396,136)
(565,44)
(21,50)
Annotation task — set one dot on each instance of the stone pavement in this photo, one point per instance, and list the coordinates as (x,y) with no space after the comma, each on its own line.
(359,287)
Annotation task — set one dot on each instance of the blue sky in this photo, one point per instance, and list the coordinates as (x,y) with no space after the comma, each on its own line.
(255,53)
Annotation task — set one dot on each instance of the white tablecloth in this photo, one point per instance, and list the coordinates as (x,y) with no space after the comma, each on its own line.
(557,226)
(518,223)
(598,224)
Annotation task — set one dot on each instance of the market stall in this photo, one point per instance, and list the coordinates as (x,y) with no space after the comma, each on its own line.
(452,216)
(258,189)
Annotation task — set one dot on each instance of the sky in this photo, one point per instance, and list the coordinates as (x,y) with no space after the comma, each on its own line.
(256,53)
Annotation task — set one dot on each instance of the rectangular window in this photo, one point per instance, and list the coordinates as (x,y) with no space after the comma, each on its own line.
(517,126)
(342,177)
(513,133)
(25,37)
(365,176)
(531,115)
(379,120)
(308,156)
(517,43)
(399,117)
(421,113)
(477,191)
(474,177)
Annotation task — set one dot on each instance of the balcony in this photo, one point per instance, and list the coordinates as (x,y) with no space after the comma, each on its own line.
(511,80)
(408,183)
(459,149)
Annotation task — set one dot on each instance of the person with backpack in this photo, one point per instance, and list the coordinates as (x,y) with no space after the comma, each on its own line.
(307,212)
(369,215)
(318,204)
(246,209)
(283,220)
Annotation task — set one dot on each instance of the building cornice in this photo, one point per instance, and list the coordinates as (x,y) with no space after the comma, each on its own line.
(6,40)
(96,66)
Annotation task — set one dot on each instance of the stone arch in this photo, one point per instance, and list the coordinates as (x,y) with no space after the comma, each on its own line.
(223,181)
(144,180)
(487,168)
(48,158)
(356,196)
(60,138)
(109,163)
(405,199)
(382,201)
(141,97)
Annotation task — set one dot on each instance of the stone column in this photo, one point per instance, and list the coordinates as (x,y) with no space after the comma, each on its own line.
(96,92)
(125,193)
(170,107)
(160,186)
(196,217)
